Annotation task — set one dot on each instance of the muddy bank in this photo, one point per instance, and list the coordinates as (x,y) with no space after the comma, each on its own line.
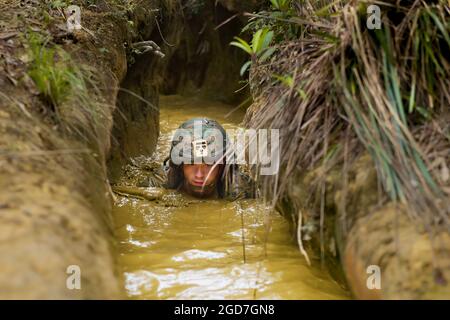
(349,223)
(198,61)
(353,193)
(63,115)
(362,229)
(55,202)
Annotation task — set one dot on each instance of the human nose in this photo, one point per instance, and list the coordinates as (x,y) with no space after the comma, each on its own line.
(200,172)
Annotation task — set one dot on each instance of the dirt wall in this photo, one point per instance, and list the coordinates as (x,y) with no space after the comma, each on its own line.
(363,229)
(55,199)
(198,60)
(54,144)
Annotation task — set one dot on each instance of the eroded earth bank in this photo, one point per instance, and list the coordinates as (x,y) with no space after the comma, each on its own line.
(77,107)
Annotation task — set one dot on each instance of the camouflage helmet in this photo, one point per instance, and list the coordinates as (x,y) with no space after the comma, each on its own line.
(199,140)
(195,141)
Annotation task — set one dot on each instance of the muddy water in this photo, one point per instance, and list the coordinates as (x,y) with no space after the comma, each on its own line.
(178,247)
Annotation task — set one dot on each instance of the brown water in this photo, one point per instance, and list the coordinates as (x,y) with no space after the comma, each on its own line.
(184,248)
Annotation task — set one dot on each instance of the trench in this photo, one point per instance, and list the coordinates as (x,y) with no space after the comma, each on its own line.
(172,246)
(176,247)
(56,151)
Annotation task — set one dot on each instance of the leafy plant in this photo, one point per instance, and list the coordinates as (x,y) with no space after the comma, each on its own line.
(390,85)
(49,70)
(57,4)
(288,81)
(282,5)
(279,17)
(259,49)
(65,86)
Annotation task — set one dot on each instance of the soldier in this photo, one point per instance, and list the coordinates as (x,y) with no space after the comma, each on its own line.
(197,164)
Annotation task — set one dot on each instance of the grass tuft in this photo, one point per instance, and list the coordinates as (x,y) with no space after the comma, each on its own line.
(387,86)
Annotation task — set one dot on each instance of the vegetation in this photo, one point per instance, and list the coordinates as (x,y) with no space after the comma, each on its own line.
(50,70)
(258,49)
(64,85)
(282,5)
(390,87)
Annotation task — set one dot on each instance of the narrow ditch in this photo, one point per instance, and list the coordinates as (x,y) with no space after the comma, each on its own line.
(172,246)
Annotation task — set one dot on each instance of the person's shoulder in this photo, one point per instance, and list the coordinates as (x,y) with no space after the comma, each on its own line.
(243,185)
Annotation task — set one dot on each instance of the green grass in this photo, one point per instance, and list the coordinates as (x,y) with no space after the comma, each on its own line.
(66,87)
(50,70)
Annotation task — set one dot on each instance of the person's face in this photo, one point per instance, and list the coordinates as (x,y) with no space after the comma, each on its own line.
(200,179)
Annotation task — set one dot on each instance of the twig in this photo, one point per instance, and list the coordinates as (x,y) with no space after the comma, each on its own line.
(242,233)
(295,20)
(299,238)
(226,21)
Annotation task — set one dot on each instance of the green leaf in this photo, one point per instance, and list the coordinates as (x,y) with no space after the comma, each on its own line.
(256,39)
(440,26)
(244,67)
(275,4)
(302,93)
(286,80)
(267,39)
(266,54)
(284,5)
(242,44)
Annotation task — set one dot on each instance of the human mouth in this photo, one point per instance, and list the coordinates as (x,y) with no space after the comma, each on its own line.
(197,183)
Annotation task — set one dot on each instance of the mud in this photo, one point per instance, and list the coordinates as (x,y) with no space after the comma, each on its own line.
(172,246)
(55,201)
(362,229)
